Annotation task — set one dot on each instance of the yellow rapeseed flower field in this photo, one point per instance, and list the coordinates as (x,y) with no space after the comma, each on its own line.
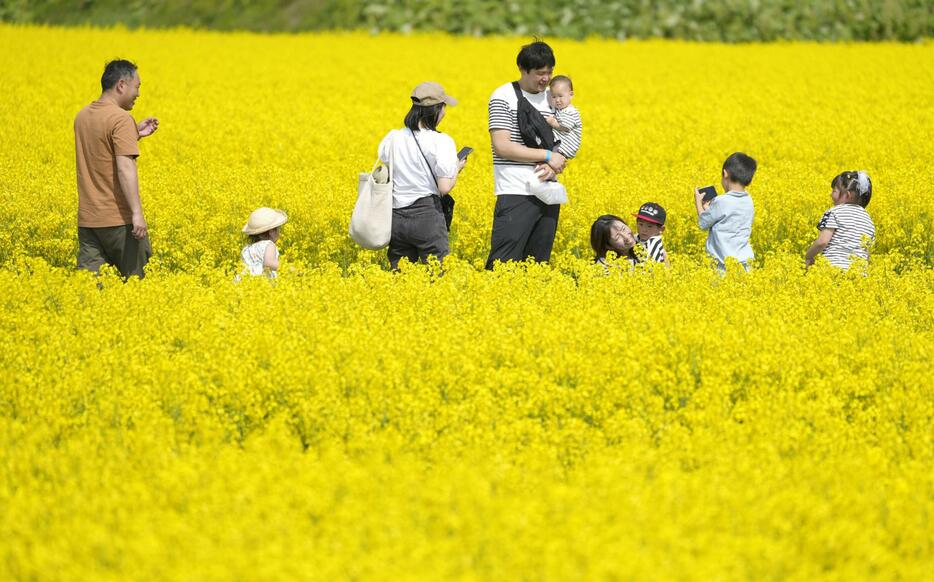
(538,422)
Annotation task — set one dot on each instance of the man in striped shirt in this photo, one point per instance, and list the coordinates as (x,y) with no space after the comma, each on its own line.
(523,225)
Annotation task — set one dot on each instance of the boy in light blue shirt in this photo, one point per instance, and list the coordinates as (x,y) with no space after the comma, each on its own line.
(728,217)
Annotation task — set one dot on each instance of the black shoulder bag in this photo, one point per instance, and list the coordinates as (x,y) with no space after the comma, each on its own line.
(447,201)
(535,131)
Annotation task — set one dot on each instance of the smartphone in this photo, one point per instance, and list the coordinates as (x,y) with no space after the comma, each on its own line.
(464,153)
(709,193)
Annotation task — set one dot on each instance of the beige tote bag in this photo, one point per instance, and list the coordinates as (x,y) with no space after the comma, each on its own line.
(371,221)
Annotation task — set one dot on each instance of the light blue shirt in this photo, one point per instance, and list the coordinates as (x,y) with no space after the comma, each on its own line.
(729,220)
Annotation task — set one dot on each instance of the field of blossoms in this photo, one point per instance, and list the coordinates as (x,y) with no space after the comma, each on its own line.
(538,422)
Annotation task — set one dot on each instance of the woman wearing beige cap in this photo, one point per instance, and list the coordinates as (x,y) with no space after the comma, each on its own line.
(426,169)
(261,255)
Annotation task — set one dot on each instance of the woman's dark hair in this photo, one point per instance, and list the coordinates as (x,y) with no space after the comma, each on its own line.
(537,55)
(849,182)
(423,116)
(255,238)
(600,237)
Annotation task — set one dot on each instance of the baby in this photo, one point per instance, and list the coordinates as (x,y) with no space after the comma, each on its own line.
(567,120)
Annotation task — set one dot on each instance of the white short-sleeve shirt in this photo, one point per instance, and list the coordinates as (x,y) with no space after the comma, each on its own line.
(411,177)
(510,177)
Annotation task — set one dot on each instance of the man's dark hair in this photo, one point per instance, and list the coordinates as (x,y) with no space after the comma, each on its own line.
(740,168)
(535,56)
(561,79)
(426,115)
(116,70)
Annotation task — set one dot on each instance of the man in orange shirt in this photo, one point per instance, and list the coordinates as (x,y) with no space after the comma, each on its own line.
(111,227)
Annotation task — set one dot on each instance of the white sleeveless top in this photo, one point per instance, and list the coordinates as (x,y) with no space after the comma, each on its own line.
(253,254)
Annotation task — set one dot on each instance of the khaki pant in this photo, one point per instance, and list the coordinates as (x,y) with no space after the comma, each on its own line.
(113,245)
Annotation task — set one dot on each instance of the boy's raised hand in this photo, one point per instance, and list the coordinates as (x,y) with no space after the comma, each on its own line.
(699,200)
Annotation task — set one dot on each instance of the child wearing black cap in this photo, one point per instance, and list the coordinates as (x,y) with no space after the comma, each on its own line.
(650,221)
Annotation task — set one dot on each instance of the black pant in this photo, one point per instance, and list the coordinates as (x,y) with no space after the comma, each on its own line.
(523,226)
(114,245)
(418,231)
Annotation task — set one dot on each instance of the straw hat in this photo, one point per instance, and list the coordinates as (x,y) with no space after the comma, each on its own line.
(263,219)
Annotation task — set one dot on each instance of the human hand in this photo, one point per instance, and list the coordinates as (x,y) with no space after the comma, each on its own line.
(460,164)
(147,126)
(558,162)
(544,172)
(140,229)
(699,199)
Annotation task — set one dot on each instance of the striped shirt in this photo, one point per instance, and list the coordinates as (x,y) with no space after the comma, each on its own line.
(854,232)
(570,118)
(510,177)
(654,248)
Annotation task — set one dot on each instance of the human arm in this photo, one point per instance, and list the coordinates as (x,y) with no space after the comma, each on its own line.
(445,185)
(699,203)
(271,257)
(129,185)
(517,152)
(555,124)
(443,162)
(565,120)
(818,246)
(707,213)
(147,127)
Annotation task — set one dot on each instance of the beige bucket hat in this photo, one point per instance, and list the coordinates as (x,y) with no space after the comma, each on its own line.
(263,219)
(431,94)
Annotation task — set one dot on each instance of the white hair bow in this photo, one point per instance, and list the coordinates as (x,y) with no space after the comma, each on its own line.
(862,180)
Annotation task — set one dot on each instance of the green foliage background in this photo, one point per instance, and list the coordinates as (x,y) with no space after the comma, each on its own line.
(710,20)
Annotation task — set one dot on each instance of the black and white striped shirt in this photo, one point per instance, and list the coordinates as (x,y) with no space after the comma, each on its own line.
(512,177)
(570,118)
(654,248)
(853,234)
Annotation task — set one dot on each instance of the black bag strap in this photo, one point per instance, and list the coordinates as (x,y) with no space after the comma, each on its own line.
(536,128)
(419,146)
(518,90)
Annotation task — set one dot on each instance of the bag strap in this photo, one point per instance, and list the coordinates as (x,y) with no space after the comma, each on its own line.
(391,157)
(519,99)
(419,146)
(519,95)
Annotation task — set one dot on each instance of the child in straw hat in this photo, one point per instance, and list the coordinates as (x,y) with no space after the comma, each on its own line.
(261,255)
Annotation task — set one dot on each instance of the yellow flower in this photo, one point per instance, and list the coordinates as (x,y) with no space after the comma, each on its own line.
(537,422)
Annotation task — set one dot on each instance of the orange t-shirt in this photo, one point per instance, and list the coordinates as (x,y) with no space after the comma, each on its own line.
(103,131)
